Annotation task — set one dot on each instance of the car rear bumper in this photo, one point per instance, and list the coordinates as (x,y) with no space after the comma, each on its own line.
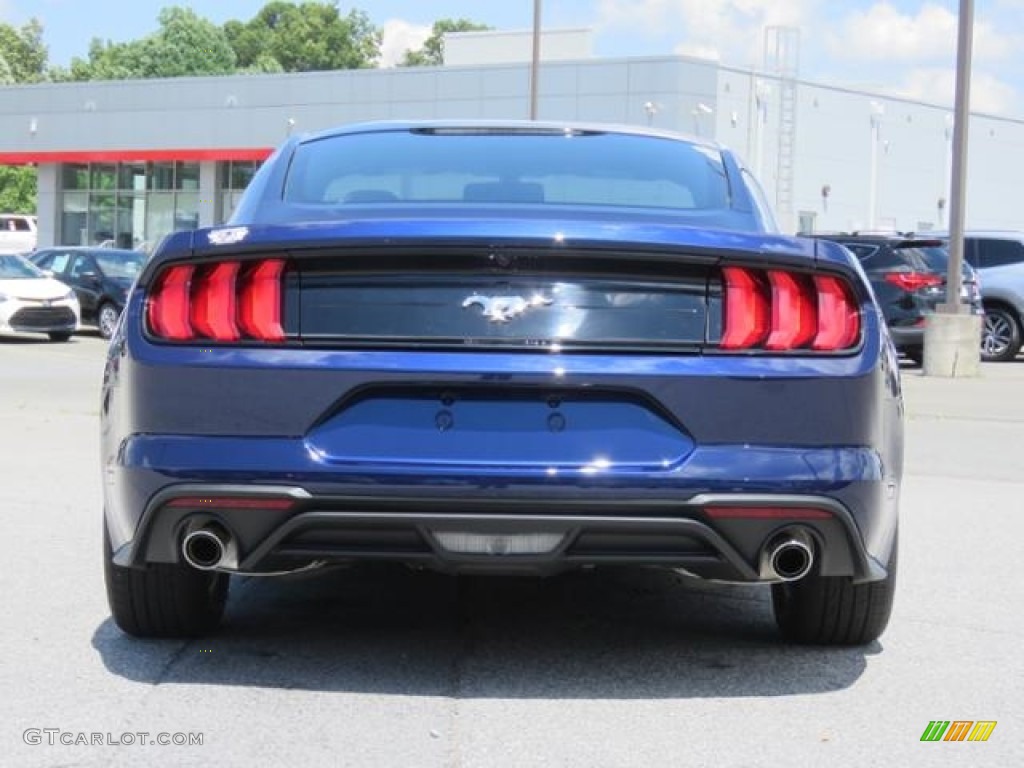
(907,337)
(838,497)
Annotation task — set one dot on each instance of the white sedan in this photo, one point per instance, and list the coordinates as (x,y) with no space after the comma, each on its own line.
(31,302)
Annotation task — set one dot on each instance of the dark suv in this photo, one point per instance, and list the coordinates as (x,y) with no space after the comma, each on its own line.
(908,274)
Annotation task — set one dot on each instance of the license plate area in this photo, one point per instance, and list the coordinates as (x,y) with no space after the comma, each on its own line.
(552,431)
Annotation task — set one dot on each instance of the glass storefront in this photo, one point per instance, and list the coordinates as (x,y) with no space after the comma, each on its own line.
(134,205)
(233,178)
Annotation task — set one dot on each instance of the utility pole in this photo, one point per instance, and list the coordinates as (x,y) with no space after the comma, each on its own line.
(952,345)
(535,60)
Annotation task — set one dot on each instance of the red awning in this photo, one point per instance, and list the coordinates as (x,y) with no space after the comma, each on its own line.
(133,155)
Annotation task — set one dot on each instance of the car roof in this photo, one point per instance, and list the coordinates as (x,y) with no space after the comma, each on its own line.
(898,239)
(509,126)
(89,249)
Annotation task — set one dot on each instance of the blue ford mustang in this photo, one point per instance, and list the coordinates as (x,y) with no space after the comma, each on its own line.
(502,348)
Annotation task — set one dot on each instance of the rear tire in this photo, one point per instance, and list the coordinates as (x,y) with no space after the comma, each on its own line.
(832,610)
(163,599)
(59,336)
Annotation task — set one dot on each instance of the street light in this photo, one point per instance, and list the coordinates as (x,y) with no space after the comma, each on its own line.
(952,333)
(651,108)
(947,178)
(877,111)
(698,112)
(762,92)
(535,59)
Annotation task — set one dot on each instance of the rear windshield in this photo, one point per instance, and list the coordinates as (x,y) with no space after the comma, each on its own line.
(124,265)
(918,259)
(483,166)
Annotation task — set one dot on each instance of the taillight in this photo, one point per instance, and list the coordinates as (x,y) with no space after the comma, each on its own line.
(259,310)
(781,311)
(747,319)
(227,301)
(913,281)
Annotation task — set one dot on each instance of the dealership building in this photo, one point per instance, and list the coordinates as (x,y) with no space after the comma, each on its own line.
(125,163)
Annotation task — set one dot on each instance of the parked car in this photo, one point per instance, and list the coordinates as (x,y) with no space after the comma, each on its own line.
(31,302)
(908,274)
(999,259)
(17,233)
(497,347)
(100,278)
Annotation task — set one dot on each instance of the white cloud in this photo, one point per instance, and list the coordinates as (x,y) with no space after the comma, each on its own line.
(732,30)
(937,84)
(398,36)
(883,33)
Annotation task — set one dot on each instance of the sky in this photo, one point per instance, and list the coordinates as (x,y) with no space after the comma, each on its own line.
(901,47)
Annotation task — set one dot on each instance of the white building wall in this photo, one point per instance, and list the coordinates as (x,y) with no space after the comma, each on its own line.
(833,139)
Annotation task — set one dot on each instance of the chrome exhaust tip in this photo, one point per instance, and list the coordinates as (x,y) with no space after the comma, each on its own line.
(210,548)
(788,556)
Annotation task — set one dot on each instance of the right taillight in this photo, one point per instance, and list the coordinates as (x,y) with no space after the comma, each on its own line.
(227,301)
(913,281)
(780,311)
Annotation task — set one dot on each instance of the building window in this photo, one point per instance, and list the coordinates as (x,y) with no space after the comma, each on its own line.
(127,205)
(75,176)
(234,178)
(186,176)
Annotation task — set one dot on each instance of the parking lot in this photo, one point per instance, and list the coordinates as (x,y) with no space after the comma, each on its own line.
(636,668)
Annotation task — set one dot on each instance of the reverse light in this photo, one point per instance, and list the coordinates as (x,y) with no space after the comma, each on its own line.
(779,310)
(227,301)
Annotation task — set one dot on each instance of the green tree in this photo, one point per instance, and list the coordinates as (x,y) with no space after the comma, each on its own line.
(23,52)
(432,51)
(17,189)
(184,44)
(306,37)
(23,58)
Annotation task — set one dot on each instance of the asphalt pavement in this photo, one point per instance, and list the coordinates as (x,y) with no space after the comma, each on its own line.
(385,667)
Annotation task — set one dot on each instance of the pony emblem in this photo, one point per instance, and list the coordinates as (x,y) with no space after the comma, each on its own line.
(501,309)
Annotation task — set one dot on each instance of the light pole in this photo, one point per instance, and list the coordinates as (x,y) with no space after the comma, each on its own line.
(947,178)
(761,93)
(698,112)
(651,108)
(535,59)
(952,334)
(877,110)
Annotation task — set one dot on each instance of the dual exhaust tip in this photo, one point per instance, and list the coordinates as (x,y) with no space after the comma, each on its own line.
(788,556)
(210,548)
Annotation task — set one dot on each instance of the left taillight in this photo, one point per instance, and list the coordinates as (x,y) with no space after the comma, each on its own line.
(224,302)
(779,311)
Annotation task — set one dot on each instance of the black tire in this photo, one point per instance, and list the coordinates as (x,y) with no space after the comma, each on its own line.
(832,610)
(1001,335)
(163,599)
(59,336)
(106,319)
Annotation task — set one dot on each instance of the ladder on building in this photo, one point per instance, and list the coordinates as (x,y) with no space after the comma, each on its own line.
(782,60)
